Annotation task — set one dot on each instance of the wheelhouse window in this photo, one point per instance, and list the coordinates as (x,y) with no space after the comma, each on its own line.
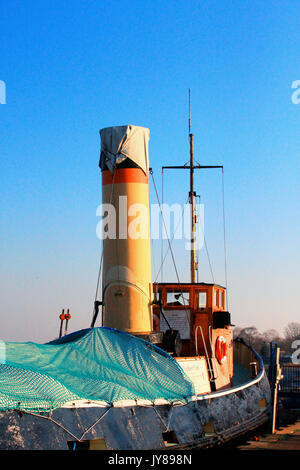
(216,298)
(178,298)
(223,299)
(202,300)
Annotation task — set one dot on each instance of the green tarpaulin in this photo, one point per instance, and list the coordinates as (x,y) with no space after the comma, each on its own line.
(94,364)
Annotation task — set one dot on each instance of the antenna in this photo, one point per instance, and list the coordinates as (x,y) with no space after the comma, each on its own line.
(189,110)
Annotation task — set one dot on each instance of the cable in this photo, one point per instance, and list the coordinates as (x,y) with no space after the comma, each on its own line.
(171,243)
(165,229)
(224,240)
(162,238)
(207,253)
(101,259)
(78,439)
(171,251)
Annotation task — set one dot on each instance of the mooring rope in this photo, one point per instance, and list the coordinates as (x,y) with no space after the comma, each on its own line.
(78,439)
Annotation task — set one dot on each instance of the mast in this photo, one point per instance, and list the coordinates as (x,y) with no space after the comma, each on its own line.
(192,167)
(192,197)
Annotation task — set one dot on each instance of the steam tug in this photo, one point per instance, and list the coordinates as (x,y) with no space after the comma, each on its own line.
(162,371)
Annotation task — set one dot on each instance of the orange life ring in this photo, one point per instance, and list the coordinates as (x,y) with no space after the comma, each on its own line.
(221,349)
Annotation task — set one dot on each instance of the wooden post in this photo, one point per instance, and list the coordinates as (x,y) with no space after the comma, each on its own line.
(67,318)
(61,317)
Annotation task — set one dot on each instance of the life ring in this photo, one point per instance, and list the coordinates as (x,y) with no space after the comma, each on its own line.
(221,349)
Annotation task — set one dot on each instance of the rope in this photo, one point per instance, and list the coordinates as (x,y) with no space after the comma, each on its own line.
(99,274)
(207,253)
(162,238)
(78,439)
(52,421)
(101,259)
(167,426)
(170,248)
(95,423)
(224,239)
(171,243)
(153,262)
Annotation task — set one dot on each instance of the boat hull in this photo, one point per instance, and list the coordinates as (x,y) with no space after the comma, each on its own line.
(205,421)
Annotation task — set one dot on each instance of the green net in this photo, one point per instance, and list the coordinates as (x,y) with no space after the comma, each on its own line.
(99,364)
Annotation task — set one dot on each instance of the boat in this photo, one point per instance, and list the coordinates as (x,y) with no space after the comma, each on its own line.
(162,371)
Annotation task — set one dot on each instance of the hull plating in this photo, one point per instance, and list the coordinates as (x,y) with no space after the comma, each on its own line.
(204,421)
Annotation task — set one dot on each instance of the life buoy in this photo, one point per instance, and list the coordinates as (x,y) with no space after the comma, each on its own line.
(221,349)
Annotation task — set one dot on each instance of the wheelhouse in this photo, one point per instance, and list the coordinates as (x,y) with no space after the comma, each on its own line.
(198,312)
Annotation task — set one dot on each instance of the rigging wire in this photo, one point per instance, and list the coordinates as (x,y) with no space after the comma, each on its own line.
(99,274)
(153,263)
(77,439)
(162,238)
(171,251)
(171,243)
(224,240)
(207,253)
(101,259)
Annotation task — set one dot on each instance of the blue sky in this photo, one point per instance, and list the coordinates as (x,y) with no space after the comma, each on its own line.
(71,68)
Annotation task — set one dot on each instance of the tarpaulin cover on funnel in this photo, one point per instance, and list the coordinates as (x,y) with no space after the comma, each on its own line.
(121,142)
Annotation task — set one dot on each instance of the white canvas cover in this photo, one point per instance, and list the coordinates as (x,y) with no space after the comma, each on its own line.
(121,142)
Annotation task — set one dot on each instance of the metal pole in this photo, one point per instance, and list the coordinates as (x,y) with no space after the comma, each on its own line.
(68,316)
(191,167)
(275,384)
(192,196)
(62,317)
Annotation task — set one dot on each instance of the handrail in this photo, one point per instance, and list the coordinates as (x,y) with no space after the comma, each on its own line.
(210,370)
(239,387)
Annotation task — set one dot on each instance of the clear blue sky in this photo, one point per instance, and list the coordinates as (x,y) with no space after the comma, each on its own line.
(71,68)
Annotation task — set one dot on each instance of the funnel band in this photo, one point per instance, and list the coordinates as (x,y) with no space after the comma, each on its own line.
(124,175)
